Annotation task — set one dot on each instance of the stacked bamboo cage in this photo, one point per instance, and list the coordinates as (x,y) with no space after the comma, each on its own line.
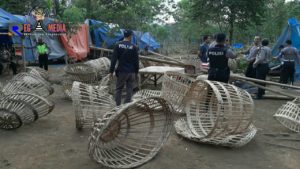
(23,99)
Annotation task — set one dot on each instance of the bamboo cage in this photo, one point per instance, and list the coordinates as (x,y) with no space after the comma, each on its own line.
(101,65)
(234,141)
(29,83)
(216,109)
(90,103)
(81,73)
(174,88)
(41,105)
(131,135)
(109,83)
(67,87)
(289,115)
(38,72)
(142,94)
(15,113)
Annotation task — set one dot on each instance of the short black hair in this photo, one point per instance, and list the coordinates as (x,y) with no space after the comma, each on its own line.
(127,33)
(205,37)
(265,42)
(281,46)
(289,42)
(220,37)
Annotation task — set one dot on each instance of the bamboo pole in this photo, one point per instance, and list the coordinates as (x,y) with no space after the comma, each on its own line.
(166,57)
(269,89)
(263,81)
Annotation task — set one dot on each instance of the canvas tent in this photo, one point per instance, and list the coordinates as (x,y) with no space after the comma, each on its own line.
(78,45)
(104,35)
(292,32)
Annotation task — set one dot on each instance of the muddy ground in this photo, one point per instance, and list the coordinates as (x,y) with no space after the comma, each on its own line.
(53,143)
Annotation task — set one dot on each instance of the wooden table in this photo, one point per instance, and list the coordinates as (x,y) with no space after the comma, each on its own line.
(154,73)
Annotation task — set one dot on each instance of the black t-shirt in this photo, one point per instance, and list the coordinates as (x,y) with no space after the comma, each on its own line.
(126,54)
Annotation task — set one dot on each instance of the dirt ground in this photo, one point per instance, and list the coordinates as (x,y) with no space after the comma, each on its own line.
(53,143)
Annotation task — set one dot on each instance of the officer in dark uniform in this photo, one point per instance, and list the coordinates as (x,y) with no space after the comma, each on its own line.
(218,60)
(126,54)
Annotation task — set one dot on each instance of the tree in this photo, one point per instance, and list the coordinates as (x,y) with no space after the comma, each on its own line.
(228,14)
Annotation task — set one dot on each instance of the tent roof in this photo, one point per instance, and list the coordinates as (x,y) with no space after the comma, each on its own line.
(6,18)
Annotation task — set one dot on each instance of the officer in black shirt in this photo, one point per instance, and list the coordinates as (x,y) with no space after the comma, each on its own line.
(126,54)
(218,56)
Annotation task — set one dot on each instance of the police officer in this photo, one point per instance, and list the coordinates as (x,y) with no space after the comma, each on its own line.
(261,64)
(43,52)
(250,56)
(202,52)
(128,66)
(288,56)
(218,60)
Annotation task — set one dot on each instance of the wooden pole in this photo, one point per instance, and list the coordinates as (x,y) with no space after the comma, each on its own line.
(166,57)
(263,81)
(269,89)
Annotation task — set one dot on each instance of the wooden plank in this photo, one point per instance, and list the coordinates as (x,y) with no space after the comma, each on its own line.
(235,76)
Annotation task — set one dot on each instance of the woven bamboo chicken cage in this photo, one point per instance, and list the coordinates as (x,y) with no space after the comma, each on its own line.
(81,73)
(41,105)
(15,113)
(131,135)
(145,93)
(38,72)
(67,87)
(102,66)
(234,141)
(29,83)
(174,88)
(289,115)
(90,103)
(217,109)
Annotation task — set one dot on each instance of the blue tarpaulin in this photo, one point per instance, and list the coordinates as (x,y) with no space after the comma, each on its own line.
(292,32)
(102,36)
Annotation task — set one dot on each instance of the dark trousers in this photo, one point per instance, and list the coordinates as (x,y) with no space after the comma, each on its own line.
(13,67)
(220,75)
(1,68)
(261,73)
(250,71)
(287,72)
(43,61)
(123,79)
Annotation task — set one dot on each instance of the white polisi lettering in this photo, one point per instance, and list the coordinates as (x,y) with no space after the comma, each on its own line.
(125,46)
(216,53)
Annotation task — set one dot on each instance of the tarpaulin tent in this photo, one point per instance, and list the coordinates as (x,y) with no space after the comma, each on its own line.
(292,32)
(148,40)
(78,46)
(56,49)
(101,34)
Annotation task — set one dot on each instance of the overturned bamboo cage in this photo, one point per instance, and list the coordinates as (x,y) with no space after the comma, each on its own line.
(101,65)
(41,105)
(90,103)
(289,115)
(38,72)
(145,93)
(15,113)
(67,88)
(174,88)
(234,141)
(131,135)
(29,83)
(81,73)
(216,109)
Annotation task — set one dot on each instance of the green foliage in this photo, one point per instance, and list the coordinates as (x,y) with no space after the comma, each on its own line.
(72,17)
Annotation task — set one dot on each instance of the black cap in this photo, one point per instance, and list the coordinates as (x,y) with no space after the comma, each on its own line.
(127,33)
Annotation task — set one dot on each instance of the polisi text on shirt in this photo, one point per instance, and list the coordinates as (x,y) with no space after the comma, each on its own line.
(125,46)
(216,53)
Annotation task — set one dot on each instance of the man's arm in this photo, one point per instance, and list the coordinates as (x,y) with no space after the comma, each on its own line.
(137,62)
(114,60)
(260,57)
(230,54)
